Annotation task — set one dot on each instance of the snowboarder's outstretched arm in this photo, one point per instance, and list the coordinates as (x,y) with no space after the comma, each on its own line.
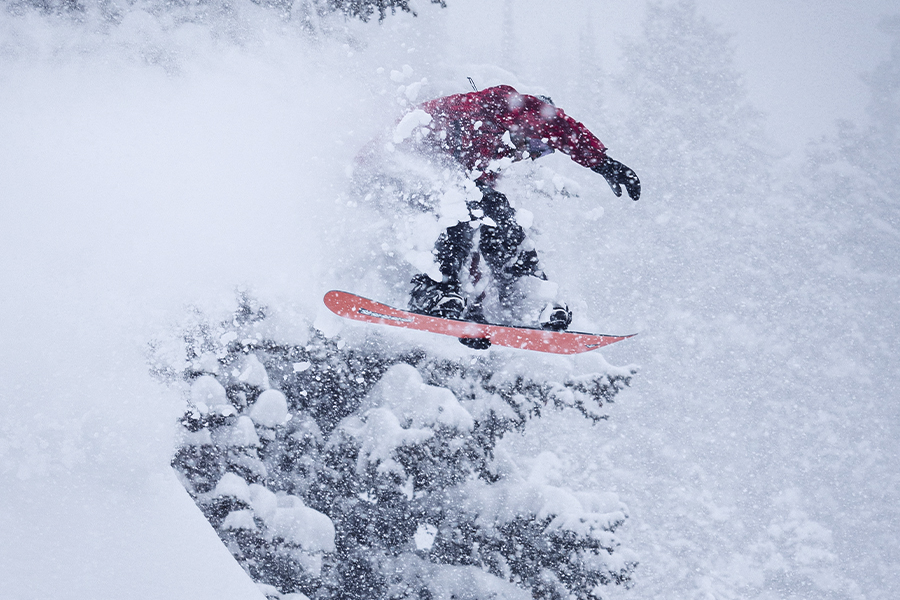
(531,117)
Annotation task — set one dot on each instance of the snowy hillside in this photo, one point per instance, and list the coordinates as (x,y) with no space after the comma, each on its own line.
(178,191)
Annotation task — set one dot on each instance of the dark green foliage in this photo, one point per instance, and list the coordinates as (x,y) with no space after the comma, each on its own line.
(365,9)
(360,9)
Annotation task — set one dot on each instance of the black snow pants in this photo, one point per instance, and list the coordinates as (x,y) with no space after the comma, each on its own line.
(500,245)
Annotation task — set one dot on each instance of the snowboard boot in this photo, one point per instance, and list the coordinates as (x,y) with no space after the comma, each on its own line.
(475,343)
(429,297)
(556,317)
(475,313)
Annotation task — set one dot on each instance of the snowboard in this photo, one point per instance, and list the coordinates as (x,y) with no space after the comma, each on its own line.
(362,309)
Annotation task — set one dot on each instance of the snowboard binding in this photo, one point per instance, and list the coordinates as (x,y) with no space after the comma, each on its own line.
(556,317)
(428,297)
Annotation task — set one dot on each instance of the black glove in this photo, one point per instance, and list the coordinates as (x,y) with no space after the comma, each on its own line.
(617,175)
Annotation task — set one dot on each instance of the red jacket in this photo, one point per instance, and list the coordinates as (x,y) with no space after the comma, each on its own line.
(473,129)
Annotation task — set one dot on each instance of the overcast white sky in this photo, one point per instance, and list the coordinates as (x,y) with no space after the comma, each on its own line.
(802,59)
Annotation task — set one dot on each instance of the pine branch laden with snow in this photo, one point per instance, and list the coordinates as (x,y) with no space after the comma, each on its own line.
(360,9)
(370,469)
(365,9)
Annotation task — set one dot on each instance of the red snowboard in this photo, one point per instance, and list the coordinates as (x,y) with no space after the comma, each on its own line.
(355,307)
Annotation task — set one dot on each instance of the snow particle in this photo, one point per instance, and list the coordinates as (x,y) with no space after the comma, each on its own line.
(270,409)
(424,536)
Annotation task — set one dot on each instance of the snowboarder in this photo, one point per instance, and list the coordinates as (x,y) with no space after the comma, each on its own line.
(483,131)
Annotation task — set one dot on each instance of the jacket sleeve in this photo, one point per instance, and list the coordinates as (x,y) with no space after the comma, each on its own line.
(531,117)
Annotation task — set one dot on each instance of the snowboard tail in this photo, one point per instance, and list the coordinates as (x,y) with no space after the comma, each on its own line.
(362,309)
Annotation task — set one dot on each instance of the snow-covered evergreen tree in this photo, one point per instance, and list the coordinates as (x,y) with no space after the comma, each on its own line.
(688,116)
(304,9)
(741,253)
(699,147)
(858,166)
(360,468)
(362,9)
(724,235)
(850,189)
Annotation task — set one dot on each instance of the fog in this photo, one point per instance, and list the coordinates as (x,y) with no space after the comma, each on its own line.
(162,162)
